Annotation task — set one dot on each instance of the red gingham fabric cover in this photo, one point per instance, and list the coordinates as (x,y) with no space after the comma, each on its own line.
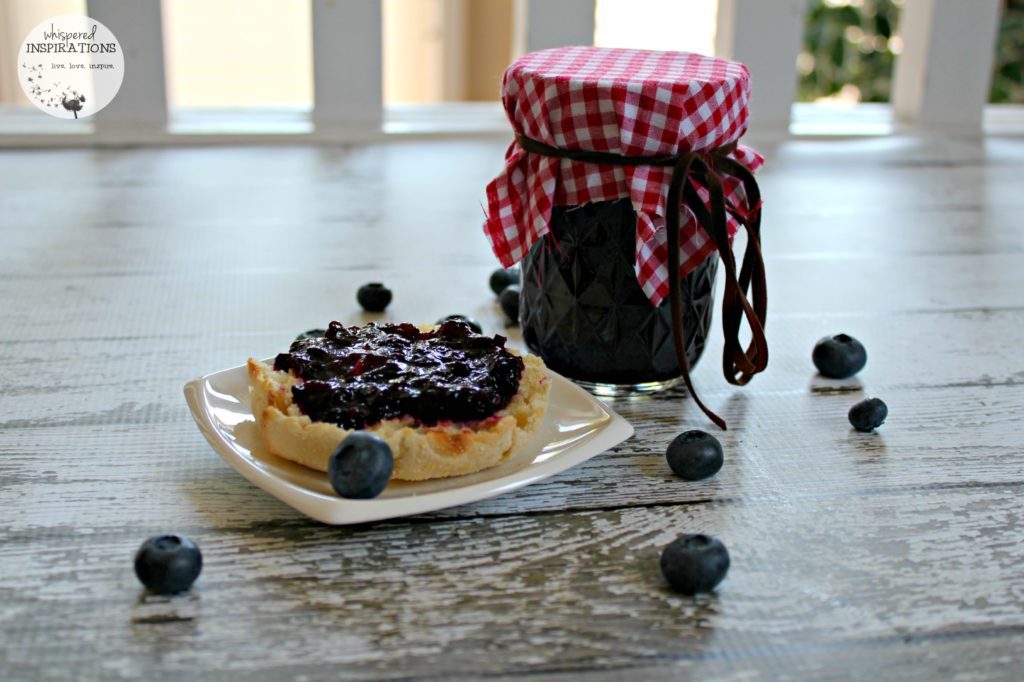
(628,102)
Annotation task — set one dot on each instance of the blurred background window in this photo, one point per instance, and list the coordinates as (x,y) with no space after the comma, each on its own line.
(687,25)
(238,53)
(849,50)
(456,50)
(446,50)
(258,53)
(17,18)
(1008,75)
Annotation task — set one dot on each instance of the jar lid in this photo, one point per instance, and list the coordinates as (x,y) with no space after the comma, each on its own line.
(625,102)
(630,102)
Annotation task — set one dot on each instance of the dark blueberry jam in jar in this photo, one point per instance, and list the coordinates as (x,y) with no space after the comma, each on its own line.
(584,313)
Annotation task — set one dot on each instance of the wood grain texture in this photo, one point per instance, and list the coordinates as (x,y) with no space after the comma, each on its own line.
(568,591)
(892,555)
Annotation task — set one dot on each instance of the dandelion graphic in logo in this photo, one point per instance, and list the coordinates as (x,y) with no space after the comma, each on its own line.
(52,95)
(74,105)
(70,66)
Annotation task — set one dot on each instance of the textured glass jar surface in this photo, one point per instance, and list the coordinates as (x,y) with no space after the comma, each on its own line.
(583,311)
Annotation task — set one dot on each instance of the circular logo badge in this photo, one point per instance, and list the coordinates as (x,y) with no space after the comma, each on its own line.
(70,66)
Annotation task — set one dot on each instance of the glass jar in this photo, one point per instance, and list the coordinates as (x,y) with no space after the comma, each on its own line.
(583,311)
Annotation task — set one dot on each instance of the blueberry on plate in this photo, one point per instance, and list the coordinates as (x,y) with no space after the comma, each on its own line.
(373,297)
(468,321)
(360,467)
(510,302)
(867,415)
(167,564)
(500,279)
(694,455)
(694,563)
(311,334)
(839,356)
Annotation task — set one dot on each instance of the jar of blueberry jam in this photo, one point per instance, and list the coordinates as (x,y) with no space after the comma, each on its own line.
(583,311)
(619,198)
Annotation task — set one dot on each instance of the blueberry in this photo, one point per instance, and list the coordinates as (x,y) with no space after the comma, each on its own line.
(166,564)
(469,322)
(867,415)
(694,455)
(510,302)
(694,563)
(311,334)
(500,279)
(360,467)
(839,356)
(373,297)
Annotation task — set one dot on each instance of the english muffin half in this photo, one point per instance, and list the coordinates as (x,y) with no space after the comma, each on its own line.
(406,376)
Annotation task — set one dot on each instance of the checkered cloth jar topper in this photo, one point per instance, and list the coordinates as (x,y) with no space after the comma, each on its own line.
(627,102)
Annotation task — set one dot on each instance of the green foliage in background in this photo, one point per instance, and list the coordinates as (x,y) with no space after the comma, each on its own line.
(850,43)
(1008,77)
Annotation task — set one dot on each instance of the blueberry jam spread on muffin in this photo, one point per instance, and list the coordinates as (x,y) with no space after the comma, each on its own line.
(357,376)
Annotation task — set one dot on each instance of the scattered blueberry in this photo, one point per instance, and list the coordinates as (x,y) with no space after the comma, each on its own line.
(469,321)
(839,356)
(868,415)
(373,297)
(510,302)
(311,334)
(694,563)
(360,467)
(500,279)
(694,455)
(167,564)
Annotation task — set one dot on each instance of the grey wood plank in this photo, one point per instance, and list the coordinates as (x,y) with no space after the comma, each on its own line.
(972,348)
(964,396)
(167,249)
(789,241)
(885,204)
(957,655)
(784,448)
(245,301)
(564,591)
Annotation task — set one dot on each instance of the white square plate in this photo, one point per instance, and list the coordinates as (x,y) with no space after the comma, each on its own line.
(576,427)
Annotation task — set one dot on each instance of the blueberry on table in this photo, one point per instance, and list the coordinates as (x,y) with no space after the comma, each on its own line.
(468,321)
(694,455)
(839,356)
(373,297)
(360,467)
(694,563)
(867,415)
(509,300)
(311,334)
(500,279)
(167,564)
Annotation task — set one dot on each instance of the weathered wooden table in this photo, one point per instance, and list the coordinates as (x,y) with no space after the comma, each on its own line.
(891,555)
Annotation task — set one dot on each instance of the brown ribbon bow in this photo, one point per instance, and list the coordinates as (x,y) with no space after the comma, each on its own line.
(738,364)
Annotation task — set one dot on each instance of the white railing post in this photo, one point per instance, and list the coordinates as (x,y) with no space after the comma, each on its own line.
(766,35)
(348,80)
(139,111)
(944,73)
(541,24)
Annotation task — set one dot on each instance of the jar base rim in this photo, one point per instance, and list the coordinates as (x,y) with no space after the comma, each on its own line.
(604,390)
